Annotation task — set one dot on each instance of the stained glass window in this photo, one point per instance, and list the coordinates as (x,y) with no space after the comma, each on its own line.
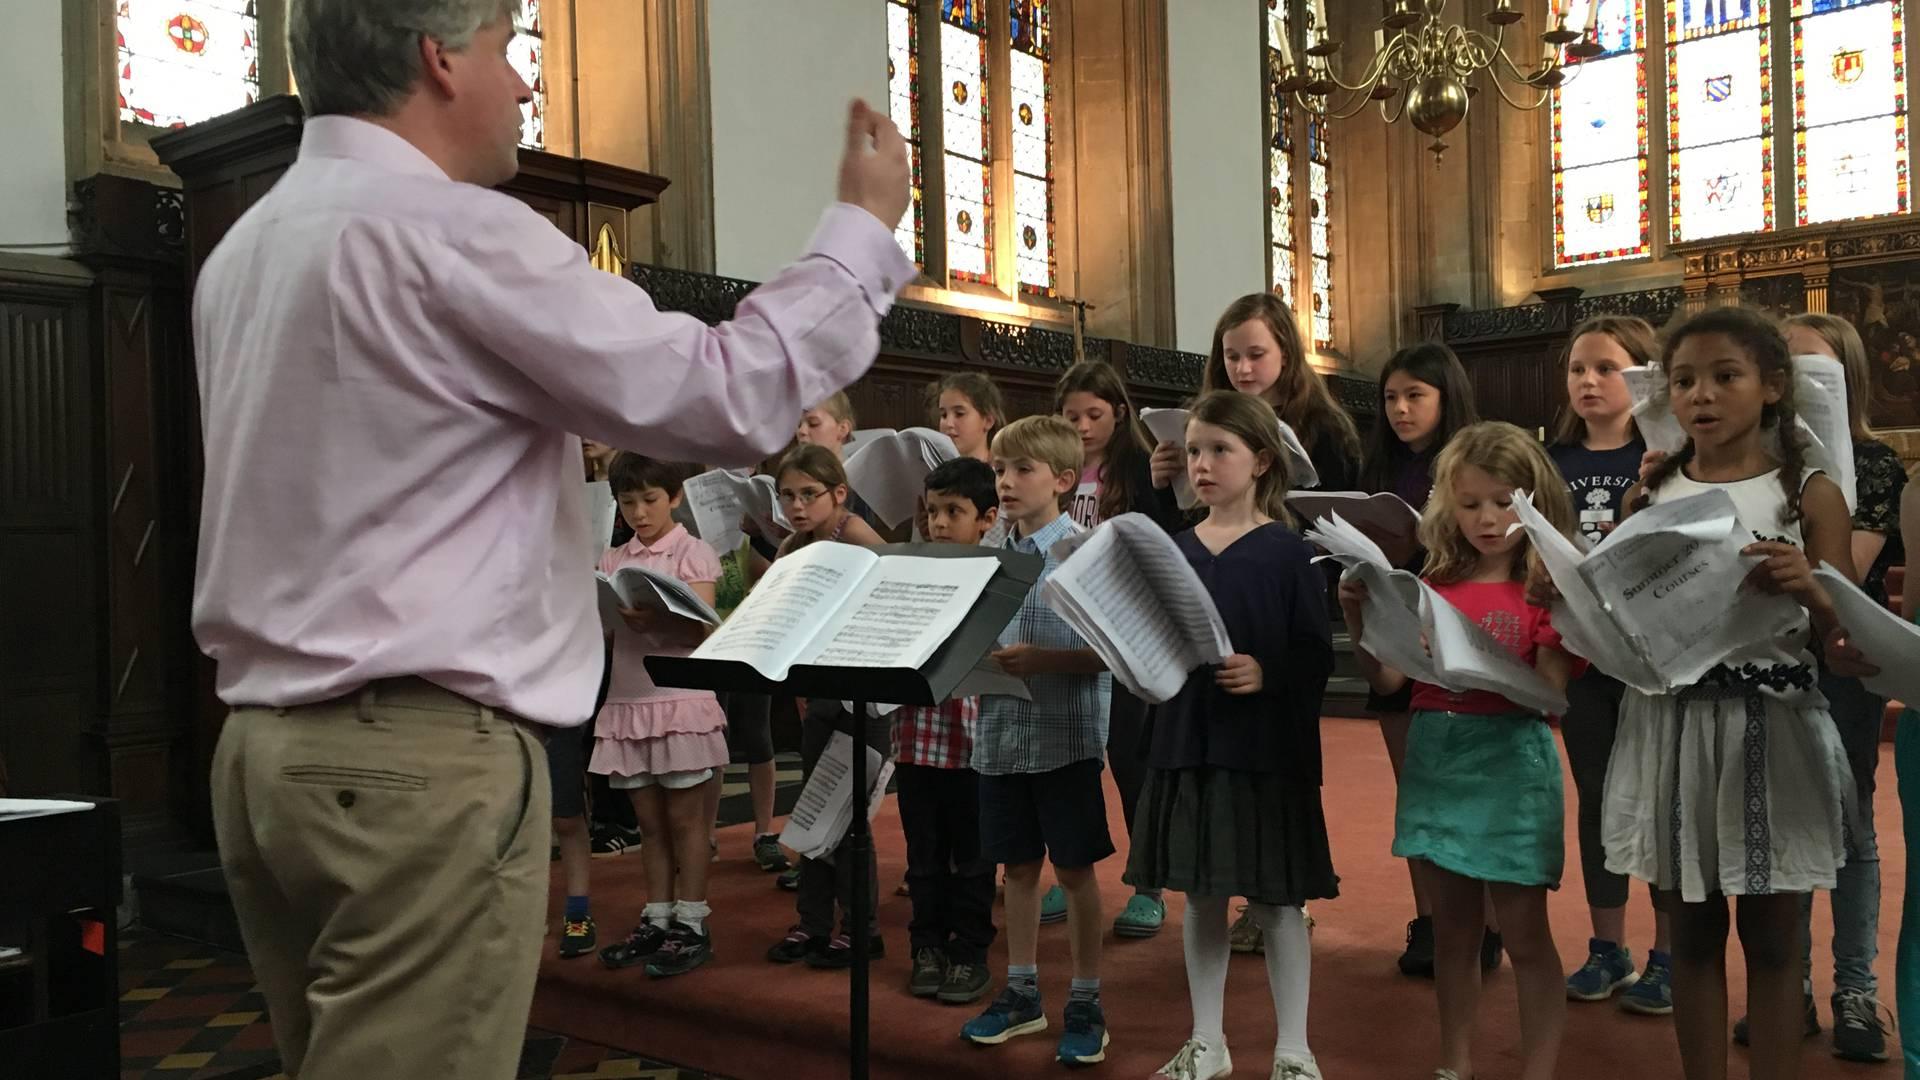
(903,105)
(1719,118)
(1030,40)
(527,52)
(1280,265)
(184,61)
(1320,210)
(1600,203)
(968,138)
(1849,110)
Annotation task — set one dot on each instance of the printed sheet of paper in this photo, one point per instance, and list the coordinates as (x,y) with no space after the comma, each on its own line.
(1652,410)
(899,614)
(601,512)
(1391,622)
(1470,658)
(718,499)
(1130,592)
(1888,641)
(17,809)
(824,808)
(783,613)
(1585,626)
(1385,518)
(1170,425)
(859,440)
(890,471)
(1820,399)
(644,589)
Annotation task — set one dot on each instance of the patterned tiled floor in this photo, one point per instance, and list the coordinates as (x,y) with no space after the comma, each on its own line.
(190,1011)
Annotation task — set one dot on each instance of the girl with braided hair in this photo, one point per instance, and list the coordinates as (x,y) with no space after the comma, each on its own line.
(1738,785)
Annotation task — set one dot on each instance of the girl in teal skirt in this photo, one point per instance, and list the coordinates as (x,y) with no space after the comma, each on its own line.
(1480,804)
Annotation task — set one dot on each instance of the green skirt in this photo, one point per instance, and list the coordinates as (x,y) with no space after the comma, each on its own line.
(1221,832)
(1481,796)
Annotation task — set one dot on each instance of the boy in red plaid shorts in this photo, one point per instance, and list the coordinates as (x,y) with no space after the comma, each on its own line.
(939,794)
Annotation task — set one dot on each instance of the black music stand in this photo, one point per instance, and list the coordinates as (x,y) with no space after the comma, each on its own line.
(930,684)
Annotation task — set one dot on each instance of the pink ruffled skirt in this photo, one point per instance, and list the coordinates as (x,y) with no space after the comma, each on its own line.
(653,738)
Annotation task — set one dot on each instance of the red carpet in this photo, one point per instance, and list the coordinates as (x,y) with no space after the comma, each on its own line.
(742,1017)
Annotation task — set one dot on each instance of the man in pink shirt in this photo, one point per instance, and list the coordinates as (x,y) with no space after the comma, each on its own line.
(390,581)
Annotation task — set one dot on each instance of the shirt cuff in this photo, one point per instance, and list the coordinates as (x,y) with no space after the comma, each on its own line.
(861,245)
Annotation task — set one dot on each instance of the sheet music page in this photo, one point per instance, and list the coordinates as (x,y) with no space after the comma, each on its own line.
(1300,470)
(642,588)
(890,470)
(1820,399)
(1343,542)
(1888,641)
(820,816)
(800,594)
(601,512)
(1391,623)
(1131,589)
(1652,410)
(900,613)
(1385,518)
(17,809)
(859,440)
(1585,626)
(1672,577)
(713,499)
(1467,657)
(609,602)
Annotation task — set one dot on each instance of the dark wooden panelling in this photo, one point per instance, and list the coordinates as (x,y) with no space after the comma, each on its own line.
(49,659)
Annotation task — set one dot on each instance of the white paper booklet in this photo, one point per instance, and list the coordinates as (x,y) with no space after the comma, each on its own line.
(1385,518)
(859,440)
(1128,590)
(1402,611)
(825,807)
(840,605)
(16,809)
(718,499)
(642,589)
(1820,396)
(1170,425)
(890,471)
(1661,600)
(1888,641)
(601,511)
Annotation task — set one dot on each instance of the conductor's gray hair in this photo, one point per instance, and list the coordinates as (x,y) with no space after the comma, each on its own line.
(362,57)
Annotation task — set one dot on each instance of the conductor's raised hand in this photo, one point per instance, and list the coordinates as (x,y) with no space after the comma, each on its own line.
(874,172)
(1240,674)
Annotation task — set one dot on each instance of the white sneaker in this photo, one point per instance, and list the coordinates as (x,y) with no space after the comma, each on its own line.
(1199,1060)
(1293,1068)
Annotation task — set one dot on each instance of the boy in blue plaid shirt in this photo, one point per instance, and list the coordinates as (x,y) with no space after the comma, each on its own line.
(950,885)
(1040,761)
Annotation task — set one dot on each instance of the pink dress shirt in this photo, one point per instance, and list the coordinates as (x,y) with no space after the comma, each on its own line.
(644,728)
(390,363)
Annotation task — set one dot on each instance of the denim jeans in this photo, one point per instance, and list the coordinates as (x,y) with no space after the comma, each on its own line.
(1906,971)
(1856,892)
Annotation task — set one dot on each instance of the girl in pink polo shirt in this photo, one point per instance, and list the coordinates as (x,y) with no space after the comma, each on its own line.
(661,745)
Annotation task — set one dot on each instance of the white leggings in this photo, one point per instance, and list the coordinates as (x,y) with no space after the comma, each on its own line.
(1289,968)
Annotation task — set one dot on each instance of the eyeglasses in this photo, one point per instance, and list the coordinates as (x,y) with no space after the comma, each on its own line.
(802,497)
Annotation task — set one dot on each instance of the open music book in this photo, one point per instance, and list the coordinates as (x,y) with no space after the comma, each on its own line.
(1402,611)
(1820,400)
(840,605)
(716,500)
(1170,425)
(639,588)
(890,470)
(1128,590)
(1385,518)
(825,807)
(1888,641)
(1661,600)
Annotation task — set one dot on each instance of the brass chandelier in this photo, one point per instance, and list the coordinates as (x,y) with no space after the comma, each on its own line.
(1434,63)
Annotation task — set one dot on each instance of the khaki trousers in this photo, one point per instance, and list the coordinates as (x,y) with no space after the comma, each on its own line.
(387,856)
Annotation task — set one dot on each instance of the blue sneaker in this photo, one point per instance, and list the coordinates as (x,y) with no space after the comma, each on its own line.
(1608,968)
(1011,1014)
(1085,1042)
(1653,994)
(1053,905)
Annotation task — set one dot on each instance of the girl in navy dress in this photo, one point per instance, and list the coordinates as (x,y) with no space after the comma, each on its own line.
(1231,805)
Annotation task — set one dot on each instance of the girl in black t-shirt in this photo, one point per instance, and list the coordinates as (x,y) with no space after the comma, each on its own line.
(1598,450)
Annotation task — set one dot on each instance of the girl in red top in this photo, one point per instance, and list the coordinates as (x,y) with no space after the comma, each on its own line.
(1480,803)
